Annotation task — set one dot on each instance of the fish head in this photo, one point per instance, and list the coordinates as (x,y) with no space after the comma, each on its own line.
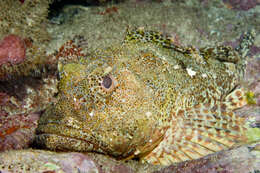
(103,106)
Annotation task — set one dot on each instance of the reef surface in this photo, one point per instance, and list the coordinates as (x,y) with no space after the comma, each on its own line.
(24,95)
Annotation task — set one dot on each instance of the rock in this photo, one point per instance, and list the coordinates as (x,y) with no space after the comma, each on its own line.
(12,50)
(45,161)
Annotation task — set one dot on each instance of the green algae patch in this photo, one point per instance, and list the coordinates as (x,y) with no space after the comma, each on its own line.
(51,166)
(253,134)
(250,98)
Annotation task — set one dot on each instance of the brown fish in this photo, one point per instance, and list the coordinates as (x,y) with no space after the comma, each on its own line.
(149,99)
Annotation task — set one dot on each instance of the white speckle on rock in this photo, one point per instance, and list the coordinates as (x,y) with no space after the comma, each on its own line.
(191,72)
(30,21)
(204,75)
(176,67)
(29,90)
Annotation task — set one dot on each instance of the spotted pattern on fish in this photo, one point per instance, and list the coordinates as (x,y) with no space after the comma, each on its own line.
(148,98)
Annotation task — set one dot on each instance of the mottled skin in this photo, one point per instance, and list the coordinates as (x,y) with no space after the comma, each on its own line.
(134,99)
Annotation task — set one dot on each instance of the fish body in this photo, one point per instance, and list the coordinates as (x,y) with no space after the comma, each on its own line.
(147,98)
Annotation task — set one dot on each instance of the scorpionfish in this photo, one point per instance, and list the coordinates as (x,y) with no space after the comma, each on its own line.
(148,99)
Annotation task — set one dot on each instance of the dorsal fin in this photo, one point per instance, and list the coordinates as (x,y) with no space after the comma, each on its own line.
(146,36)
(246,42)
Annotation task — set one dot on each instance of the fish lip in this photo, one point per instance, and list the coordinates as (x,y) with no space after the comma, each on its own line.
(46,130)
(41,141)
(65,136)
(51,130)
(44,133)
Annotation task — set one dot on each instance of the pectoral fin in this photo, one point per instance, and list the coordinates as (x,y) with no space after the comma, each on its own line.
(201,130)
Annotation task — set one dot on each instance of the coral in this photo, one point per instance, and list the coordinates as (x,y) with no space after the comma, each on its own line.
(222,162)
(45,161)
(69,51)
(12,49)
(23,58)
(241,4)
(3,98)
(21,103)
(17,131)
(25,20)
(109,11)
(40,161)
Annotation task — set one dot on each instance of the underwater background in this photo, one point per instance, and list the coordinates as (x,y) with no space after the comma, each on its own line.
(35,34)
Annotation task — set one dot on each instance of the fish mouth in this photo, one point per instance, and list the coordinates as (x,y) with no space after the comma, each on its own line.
(67,133)
(62,143)
(57,137)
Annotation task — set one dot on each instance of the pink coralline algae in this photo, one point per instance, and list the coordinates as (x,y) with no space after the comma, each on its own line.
(46,162)
(17,131)
(241,4)
(3,98)
(239,160)
(12,50)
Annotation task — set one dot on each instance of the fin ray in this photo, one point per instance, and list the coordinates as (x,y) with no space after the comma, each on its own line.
(201,130)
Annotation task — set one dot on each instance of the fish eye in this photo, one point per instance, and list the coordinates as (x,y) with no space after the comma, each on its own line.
(102,82)
(107,82)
